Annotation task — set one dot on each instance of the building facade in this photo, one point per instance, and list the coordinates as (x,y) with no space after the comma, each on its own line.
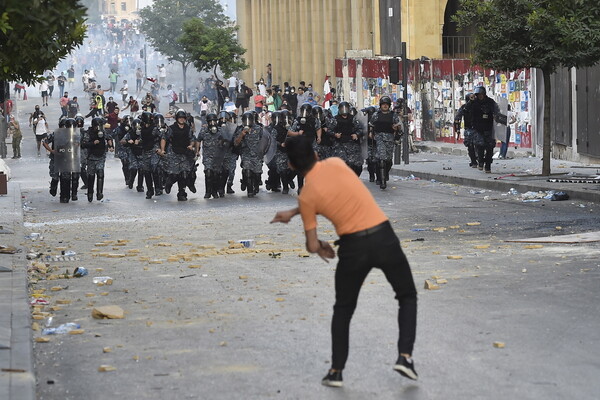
(119,9)
(302,38)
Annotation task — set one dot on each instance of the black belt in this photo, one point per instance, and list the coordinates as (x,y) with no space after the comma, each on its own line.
(365,232)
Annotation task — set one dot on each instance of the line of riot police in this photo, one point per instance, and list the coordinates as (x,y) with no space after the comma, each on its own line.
(162,155)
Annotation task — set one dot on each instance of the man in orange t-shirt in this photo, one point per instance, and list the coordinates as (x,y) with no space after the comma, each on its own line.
(367,240)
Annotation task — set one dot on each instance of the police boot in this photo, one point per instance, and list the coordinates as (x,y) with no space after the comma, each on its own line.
(191,181)
(243,180)
(181,184)
(169,181)
(207,184)
(371,169)
(388,169)
(249,178)
(53,187)
(230,182)
(149,185)
(84,178)
(90,186)
(100,188)
(74,185)
(378,176)
(257,180)
(222,181)
(284,183)
(140,181)
(291,175)
(158,189)
(382,169)
(65,188)
(125,169)
(300,183)
(131,177)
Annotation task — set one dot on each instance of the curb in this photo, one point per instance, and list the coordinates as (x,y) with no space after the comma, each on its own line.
(498,185)
(20,383)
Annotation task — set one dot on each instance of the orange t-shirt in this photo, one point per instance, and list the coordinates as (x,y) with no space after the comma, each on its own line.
(333,190)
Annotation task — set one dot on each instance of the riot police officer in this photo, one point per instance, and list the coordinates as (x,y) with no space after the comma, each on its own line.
(465,112)
(150,142)
(281,124)
(248,141)
(180,143)
(212,155)
(121,151)
(133,142)
(309,126)
(97,143)
(371,147)
(385,125)
(325,141)
(484,111)
(347,133)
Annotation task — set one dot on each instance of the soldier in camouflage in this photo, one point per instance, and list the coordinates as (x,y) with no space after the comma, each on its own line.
(212,155)
(97,144)
(385,125)
(306,125)
(248,140)
(347,133)
(121,151)
(179,140)
(133,143)
(150,142)
(371,147)
(325,141)
(281,125)
(273,182)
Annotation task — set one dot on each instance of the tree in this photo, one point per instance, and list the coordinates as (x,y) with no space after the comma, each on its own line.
(162,23)
(36,36)
(212,47)
(544,34)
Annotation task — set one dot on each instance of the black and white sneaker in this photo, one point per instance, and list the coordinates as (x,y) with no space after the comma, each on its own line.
(333,379)
(406,367)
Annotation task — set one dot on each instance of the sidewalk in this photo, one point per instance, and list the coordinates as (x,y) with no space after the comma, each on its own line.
(449,163)
(17,377)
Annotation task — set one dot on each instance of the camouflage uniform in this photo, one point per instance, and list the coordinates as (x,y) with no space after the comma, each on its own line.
(325,148)
(345,147)
(310,128)
(213,149)
(121,150)
(134,151)
(178,158)
(52,170)
(96,154)
(252,159)
(384,137)
(150,144)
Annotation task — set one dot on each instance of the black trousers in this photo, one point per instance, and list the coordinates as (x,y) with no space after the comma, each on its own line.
(357,256)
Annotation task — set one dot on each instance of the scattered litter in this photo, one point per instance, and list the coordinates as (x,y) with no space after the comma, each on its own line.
(524,270)
(79,272)
(429,285)
(473,191)
(441,281)
(454,257)
(303,255)
(418,240)
(473,223)
(243,277)
(33,256)
(499,345)
(247,242)
(186,276)
(419,229)
(204,275)
(102,280)
(42,339)
(8,249)
(411,177)
(41,302)
(559,196)
(481,246)
(275,255)
(68,253)
(61,329)
(106,368)
(447,168)
(108,312)
(34,236)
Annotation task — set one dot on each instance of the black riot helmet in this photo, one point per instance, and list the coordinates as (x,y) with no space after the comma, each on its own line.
(159,120)
(136,124)
(180,114)
(369,110)
(61,121)
(248,119)
(276,118)
(318,113)
(468,97)
(479,90)
(146,118)
(70,123)
(212,119)
(353,111)
(233,116)
(224,117)
(287,118)
(79,120)
(305,110)
(344,108)
(255,114)
(385,100)
(97,124)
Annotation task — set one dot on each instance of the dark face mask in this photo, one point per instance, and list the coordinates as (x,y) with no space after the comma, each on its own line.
(205,101)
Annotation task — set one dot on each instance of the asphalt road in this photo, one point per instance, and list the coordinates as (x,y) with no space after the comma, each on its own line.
(246,325)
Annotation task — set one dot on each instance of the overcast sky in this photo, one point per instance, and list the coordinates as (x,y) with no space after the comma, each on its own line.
(229,6)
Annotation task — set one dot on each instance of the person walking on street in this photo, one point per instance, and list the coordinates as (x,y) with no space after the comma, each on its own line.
(484,111)
(64,104)
(113,78)
(44,92)
(14,129)
(367,240)
(61,80)
(464,112)
(139,75)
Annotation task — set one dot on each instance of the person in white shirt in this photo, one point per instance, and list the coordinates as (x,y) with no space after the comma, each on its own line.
(162,75)
(205,105)
(232,85)
(262,89)
(44,92)
(229,105)
(124,92)
(41,131)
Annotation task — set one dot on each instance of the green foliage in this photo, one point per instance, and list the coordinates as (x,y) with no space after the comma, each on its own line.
(210,47)
(35,36)
(545,34)
(162,23)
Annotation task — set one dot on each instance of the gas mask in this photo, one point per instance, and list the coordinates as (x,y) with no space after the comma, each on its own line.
(303,120)
(100,134)
(213,129)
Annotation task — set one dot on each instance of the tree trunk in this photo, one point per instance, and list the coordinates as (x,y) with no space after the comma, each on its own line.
(547,128)
(215,72)
(184,68)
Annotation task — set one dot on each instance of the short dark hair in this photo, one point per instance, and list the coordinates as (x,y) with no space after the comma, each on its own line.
(300,153)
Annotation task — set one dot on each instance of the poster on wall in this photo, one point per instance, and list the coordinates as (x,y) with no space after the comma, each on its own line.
(500,129)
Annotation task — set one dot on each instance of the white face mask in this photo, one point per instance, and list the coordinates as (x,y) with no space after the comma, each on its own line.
(100,134)
(302,120)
